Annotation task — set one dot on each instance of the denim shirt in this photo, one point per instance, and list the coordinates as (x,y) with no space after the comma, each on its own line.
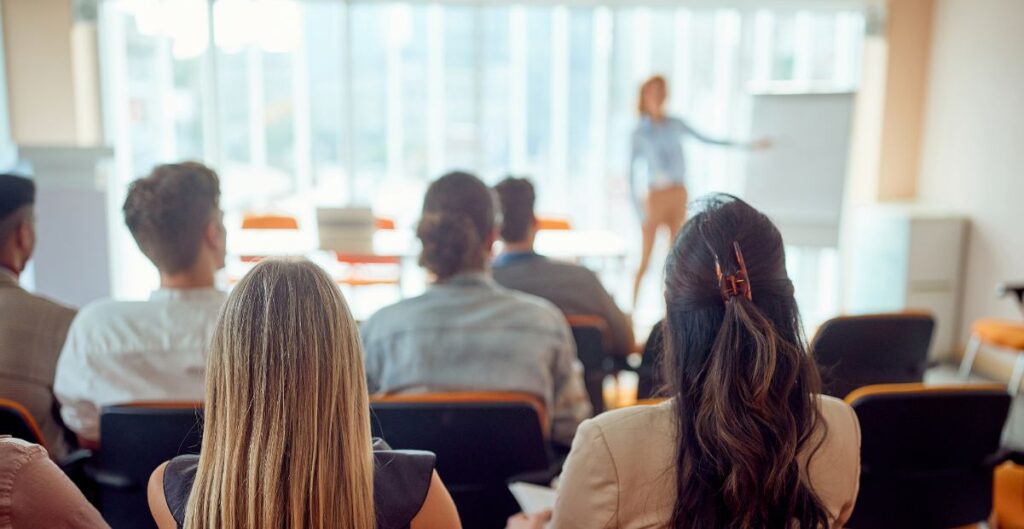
(467,333)
(657,158)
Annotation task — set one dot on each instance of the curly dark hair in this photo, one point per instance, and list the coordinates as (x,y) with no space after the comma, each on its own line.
(458,217)
(168,211)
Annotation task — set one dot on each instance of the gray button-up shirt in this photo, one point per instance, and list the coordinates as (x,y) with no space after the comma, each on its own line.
(468,334)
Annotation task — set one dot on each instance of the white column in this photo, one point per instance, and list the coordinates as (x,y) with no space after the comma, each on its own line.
(517,90)
(436,133)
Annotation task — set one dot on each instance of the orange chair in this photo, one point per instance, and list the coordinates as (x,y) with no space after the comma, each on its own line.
(135,438)
(1008,504)
(366,270)
(1000,334)
(384,223)
(17,421)
(593,338)
(927,454)
(553,223)
(269,222)
(482,441)
(254,221)
(855,351)
(460,397)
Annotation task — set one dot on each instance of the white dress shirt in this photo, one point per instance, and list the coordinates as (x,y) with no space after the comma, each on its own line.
(124,351)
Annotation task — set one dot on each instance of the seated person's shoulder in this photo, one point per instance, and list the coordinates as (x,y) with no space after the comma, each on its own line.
(649,429)
(837,413)
(395,315)
(634,417)
(38,304)
(841,425)
(102,312)
(535,306)
(15,451)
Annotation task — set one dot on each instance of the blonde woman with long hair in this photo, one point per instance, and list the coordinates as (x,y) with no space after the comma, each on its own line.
(286,441)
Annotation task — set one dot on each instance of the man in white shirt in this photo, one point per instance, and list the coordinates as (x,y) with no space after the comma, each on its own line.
(118,351)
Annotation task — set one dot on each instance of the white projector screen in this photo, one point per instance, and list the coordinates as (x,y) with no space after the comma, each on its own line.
(798,182)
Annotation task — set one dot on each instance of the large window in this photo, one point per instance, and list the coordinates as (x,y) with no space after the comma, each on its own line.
(300,103)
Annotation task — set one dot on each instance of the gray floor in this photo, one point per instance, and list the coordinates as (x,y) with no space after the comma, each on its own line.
(1013,435)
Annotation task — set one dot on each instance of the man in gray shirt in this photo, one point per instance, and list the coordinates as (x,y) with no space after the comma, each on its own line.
(572,288)
(467,333)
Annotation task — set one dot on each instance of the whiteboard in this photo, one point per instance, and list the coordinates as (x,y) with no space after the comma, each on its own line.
(799,181)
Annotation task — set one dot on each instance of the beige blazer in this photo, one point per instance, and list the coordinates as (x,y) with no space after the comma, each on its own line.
(620,473)
(32,332)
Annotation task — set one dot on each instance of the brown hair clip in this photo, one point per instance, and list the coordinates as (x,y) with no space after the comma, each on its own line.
(737,284)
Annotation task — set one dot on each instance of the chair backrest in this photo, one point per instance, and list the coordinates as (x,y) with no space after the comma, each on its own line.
(553,223)
(593,343)
(855,351)
(17,421)
(593,339)
(651,364)
(384,223)
(481,441)
(269,222)
(136,438)
(927,454)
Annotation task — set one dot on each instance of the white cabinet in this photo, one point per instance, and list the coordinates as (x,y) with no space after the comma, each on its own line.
(908,258)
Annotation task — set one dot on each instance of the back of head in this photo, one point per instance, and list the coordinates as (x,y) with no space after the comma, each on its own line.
(517,198)
(17,196)
(287,432)
(168,212)
(743,381)
(457,223)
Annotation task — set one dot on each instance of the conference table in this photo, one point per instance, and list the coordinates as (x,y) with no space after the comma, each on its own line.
(597,248)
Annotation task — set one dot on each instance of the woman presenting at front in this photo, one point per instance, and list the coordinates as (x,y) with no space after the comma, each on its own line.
(657,175)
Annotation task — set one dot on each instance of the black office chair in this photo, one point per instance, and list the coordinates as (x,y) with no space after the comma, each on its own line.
(482,441)
(927,454)
(593,344)
(134,440)
(17,421)
(855,351)
(651,363)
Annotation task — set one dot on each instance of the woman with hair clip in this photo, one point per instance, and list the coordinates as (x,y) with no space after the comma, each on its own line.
(286,439)
(657,169)
(746,441)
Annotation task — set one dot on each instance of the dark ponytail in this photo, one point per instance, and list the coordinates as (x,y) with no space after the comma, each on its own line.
(743,382)
(450,244)
(457,224)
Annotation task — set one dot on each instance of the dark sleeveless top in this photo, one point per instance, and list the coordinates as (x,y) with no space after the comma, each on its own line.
(401,479)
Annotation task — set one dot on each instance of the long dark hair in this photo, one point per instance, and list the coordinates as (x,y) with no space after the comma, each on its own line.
(458,219)
(743,381)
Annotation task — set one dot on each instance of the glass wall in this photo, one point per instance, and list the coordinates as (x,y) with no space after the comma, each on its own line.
(305,103)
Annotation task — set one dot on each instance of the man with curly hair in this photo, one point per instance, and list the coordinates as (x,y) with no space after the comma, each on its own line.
(123,351)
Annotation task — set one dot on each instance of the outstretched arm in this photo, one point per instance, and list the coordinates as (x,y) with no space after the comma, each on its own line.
(753,145)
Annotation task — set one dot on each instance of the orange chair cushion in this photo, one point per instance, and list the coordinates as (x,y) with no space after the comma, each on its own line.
(1008,498)
(553,223)
(1000,333)
(270,222)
